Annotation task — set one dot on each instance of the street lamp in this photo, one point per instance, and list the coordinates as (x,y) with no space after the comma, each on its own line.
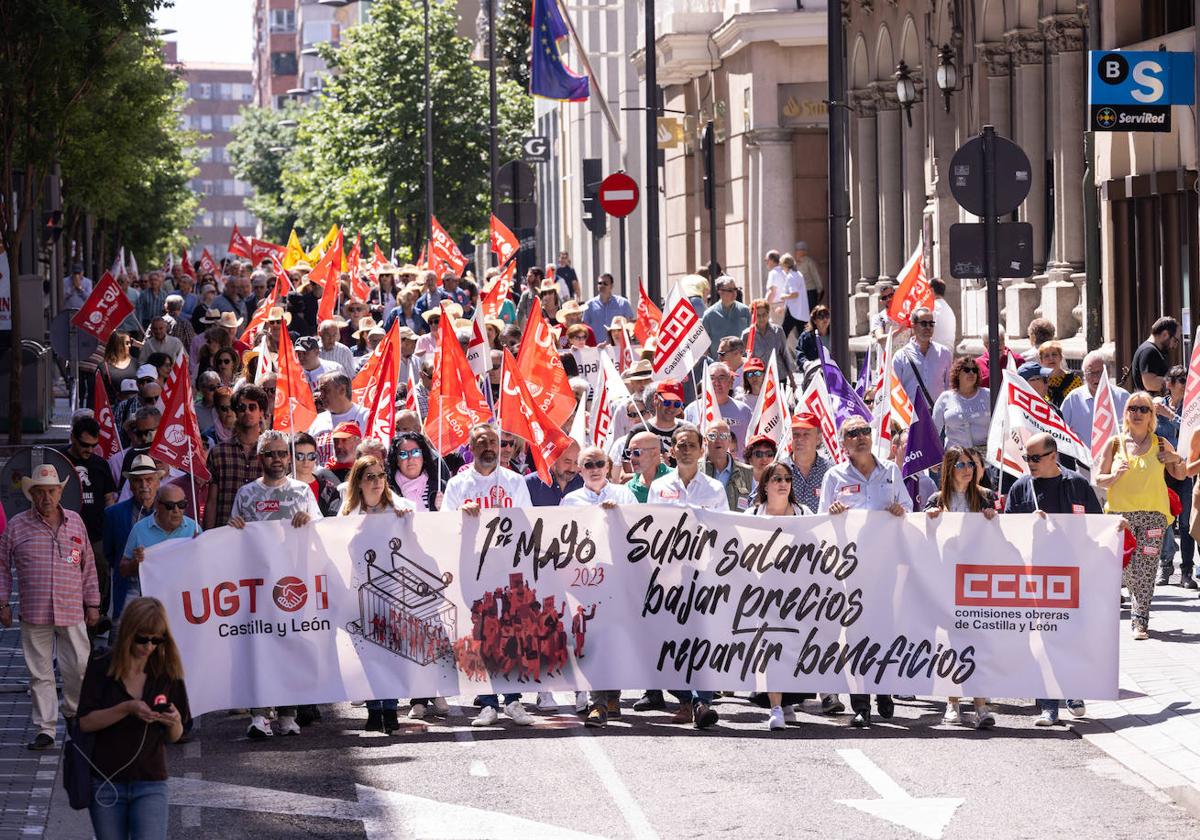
(906,91)
(947,74)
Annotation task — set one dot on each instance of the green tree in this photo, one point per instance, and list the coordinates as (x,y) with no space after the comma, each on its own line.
(512,40)
(358,151)
(259,149)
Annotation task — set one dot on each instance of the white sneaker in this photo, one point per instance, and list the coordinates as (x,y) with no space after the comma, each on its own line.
(789,714)
(517,714)
(581,702)
(984,719)
(776,720)
(487,717)
(545,702)
(259,728)
(288,725)
(440,707)
(417,711)
(952,715)
(358,703)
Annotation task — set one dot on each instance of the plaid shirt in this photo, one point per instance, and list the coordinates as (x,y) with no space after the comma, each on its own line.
(808,490)
(231,467)
(55,568)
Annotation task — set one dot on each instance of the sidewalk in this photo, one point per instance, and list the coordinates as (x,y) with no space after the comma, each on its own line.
(1153,729)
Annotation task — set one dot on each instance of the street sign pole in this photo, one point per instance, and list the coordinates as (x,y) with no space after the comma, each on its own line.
(989,260)
(621,255)
(651,103)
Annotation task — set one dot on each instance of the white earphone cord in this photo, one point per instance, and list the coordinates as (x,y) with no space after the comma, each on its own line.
(108,779)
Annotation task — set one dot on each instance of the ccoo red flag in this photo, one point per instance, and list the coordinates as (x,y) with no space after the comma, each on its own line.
(520,415)
(914,291)
(106,307)
(109,443)
(177,440)
(261,249)
(539,365)
(649,316)
(295,410)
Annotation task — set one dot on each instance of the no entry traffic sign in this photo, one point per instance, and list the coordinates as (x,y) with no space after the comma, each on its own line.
(618,195)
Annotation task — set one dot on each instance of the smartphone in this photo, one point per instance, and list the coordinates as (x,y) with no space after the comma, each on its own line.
(161,704)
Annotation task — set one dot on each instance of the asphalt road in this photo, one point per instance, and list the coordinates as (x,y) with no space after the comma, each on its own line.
(643,777)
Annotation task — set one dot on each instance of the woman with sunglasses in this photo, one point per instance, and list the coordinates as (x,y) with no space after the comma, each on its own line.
(964,411)
(228,365)
(760,453)
(1133,469)
(960,493)
(118,365)
(224,418)
(134,701)
(367,492)
(815,335)
(322,483)
(775,497)
(412,470)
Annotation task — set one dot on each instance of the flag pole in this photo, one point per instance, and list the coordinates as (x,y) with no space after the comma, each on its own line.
(192,477)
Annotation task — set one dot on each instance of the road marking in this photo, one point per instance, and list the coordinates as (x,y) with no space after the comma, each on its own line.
(479,769)
(927,816)
(603,767)
(384,814)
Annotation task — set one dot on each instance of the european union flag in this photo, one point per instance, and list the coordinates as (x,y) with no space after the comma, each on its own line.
(549,78)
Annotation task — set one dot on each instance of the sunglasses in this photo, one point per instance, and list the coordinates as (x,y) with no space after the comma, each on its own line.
(861,431)
(928,324)
(223,406)
(375,476)
(405,454)
(1139,409)
(672,403)
(638,452)
(754,374)
(149,640)
(306,456)
(507,444)
(274,453)
(1035,457)
(715,436)
(83,444)
(780,479)
(964,465)
(761,453)
(242,408)
(604,285)
(180,505)
(971,369)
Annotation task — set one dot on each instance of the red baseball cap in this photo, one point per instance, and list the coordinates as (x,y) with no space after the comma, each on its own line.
(670,390)
(805,420)
(753,364)
(757,439)
(347,429)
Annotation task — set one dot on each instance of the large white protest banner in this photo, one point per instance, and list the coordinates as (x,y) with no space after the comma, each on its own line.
(643,597)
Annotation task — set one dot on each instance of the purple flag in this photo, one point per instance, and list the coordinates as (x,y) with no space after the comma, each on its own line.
(846,402)
(924,448)
(864,376)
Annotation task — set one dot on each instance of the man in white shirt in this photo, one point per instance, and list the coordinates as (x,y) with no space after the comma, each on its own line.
(734,412)
(786,286)
(687,486)
(486,484)
(275,495)
(862,482)
(1077,406)
(308,353)
(159,340)
(335,389)
(923,365)
(333,350)
(945,322)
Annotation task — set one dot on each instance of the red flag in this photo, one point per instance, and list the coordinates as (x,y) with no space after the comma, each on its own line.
(541,368)
(378,261)
(914,291)
(520,415)
(504,245)
(208,265)
(109,443)
(295,410)
(278,292)
(455,401)
(411,403)
(1105,424)
(366,382)
(239,245)
(445,250)
(360,289)
(185,265)
(106,307)
(753,331)
(649,316)
(330,264)
(421,259)
(177,440)
(260,250)
(381,414)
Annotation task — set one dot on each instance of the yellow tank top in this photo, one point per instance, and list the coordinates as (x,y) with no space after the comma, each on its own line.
(1143,486)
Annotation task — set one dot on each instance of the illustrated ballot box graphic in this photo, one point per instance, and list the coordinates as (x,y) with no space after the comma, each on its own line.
(404,610)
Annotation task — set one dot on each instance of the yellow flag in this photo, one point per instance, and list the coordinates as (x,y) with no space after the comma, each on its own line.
(294,252)
(323,246)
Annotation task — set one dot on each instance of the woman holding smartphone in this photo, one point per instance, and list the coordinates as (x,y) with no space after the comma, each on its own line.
(133,699)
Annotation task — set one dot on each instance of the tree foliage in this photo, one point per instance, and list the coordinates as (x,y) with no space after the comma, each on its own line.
(257,154)
(358,151)
(512,40)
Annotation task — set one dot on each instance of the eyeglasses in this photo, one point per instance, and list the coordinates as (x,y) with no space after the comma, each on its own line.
(861,431)
(1139,409)
(306,456)
(594,465)
(149,640)
(715,436)
(1035,457)
(964,465)
(274,453)
(405,454)
(780,479)
(761,453)
(223,406)
(83,444)
(672,403)
(241,408)
(924,323)
(376,476)
(180,505)
(754,374)
(638,452)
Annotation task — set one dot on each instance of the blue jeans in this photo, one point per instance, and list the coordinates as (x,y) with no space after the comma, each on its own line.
(383,705)
(1046,705)
(694,697)
(138,813)
(1187,545)
(494,701)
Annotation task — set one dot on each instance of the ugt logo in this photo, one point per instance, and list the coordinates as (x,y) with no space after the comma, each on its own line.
(289,594)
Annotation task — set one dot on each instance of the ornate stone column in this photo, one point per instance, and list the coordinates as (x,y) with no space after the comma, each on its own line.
(891,197)
(866,195)
(776,226)
(914,139)
(996,61)
(1022,297)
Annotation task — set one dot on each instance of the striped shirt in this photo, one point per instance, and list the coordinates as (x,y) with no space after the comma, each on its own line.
(55,569)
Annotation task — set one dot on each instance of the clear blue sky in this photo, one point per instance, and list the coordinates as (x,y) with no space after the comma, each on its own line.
(211,30)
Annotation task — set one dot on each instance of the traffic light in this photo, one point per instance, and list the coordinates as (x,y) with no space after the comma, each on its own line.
(594,218)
